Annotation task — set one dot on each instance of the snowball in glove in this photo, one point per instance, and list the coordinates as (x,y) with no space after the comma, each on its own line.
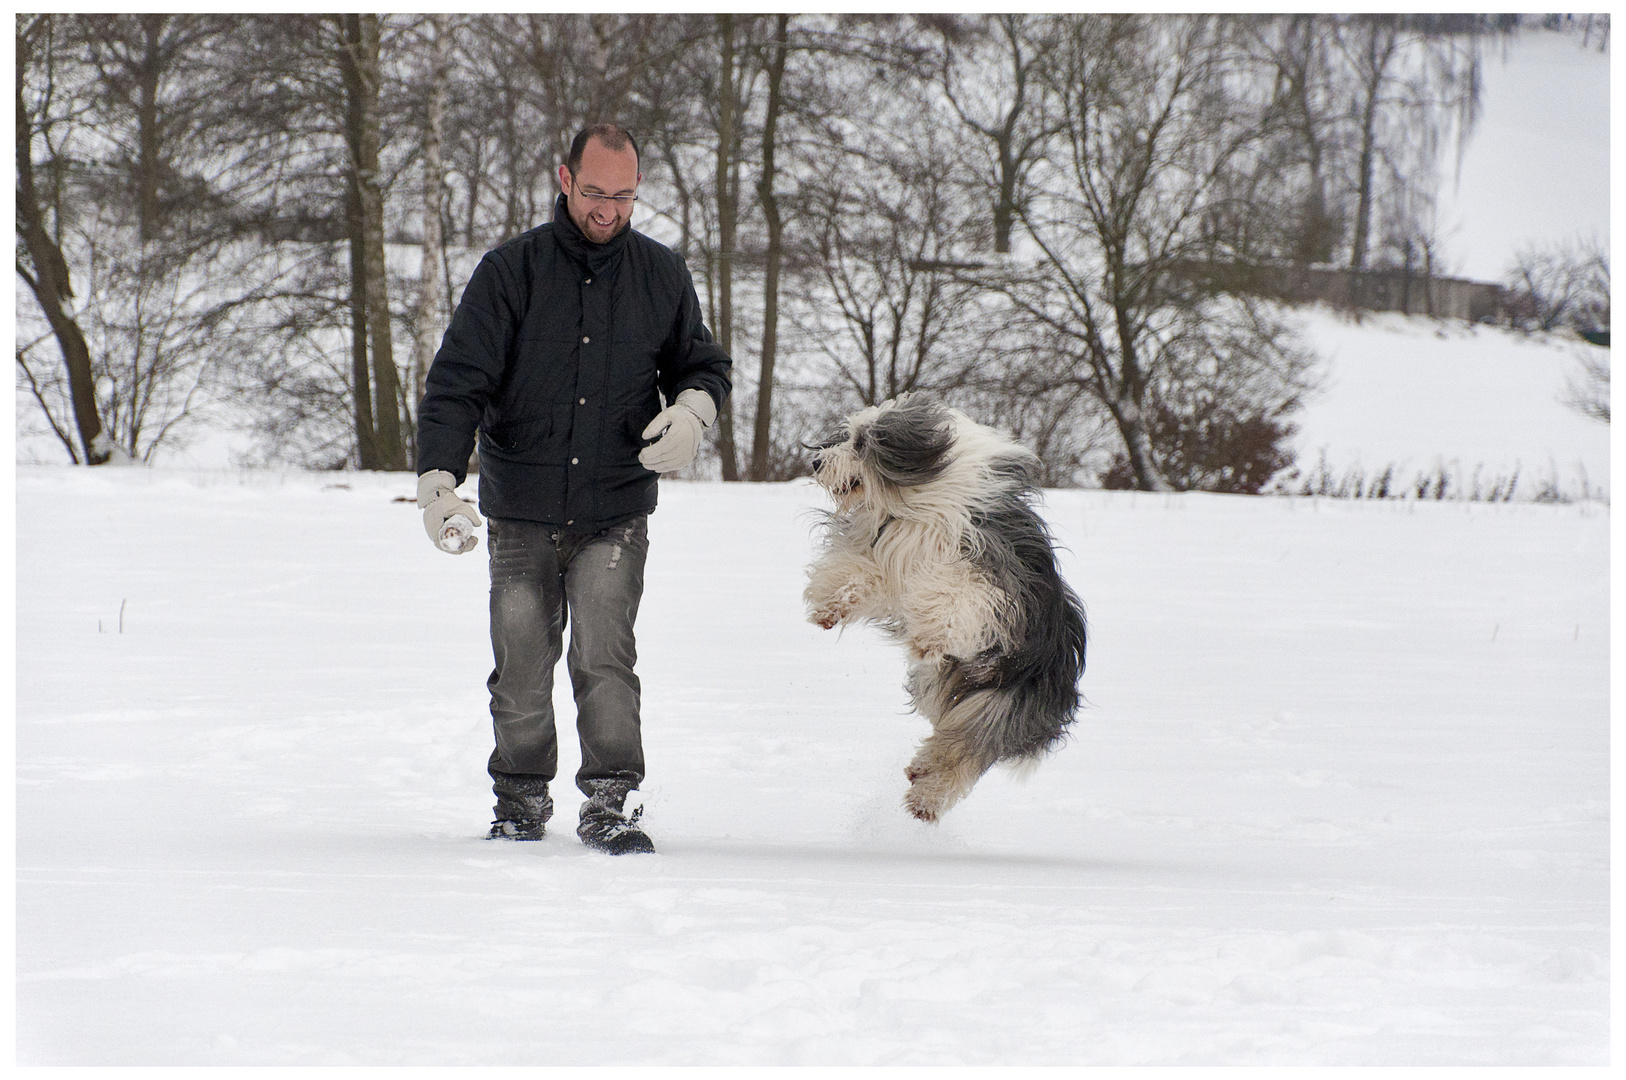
(442,509)
(682,422)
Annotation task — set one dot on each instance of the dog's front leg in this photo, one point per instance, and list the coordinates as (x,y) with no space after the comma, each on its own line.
(841,587)
(950,613)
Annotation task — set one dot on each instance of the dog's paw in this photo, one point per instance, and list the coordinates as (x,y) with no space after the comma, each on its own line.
(924,799)
(827,617)
(838,608)
(923,803)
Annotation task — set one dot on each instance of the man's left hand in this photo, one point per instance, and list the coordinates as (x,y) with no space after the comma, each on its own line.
(679,426)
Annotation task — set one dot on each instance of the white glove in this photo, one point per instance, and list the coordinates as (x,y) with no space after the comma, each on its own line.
(682,422)
(437,496)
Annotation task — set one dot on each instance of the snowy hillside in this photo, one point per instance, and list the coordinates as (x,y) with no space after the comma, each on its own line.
(1340,796)
(1423,395)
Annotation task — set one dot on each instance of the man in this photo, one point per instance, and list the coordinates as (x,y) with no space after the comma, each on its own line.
(559,353)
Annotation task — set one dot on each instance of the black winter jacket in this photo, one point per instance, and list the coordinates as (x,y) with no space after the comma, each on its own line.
(559,353)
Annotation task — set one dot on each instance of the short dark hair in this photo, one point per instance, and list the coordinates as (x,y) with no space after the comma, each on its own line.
(613,136)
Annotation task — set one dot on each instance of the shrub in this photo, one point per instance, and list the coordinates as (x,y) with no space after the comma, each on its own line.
(1210,448)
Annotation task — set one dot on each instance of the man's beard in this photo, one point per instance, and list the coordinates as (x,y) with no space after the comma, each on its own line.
(584,222)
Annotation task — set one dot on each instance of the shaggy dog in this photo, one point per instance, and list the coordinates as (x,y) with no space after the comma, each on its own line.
(935,540)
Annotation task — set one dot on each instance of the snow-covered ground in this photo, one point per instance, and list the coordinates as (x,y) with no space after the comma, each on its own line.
(1423,395)
(1340,796)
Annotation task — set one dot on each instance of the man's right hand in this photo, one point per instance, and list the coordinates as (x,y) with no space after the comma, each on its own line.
(437,496)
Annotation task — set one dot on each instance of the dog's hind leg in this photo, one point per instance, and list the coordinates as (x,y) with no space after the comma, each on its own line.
(943,772)
(950,760)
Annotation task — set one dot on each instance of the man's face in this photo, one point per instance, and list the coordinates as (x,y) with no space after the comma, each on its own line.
(602,172)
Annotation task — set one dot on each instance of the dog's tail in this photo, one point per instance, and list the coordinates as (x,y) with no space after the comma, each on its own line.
(1027,693)
(1016,707)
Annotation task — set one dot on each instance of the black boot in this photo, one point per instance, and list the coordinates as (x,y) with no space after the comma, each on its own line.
(523,809)
(605,824)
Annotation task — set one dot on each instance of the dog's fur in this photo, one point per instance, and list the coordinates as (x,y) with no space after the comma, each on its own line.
(935,539)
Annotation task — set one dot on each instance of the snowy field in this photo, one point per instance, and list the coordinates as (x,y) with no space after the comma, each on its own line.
(1340,797)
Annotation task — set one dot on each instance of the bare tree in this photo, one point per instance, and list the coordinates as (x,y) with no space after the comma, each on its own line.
(1587,390)
(153,97)
(1407,86)
(726,178)
(429,320)
(1300,164)
(133,205)
(358,59)
(889,232)
(775,66)
(309,102)
(1374,48)
(40,262)
(987,70)
(521,85)
(997,208)
(1562,284)
(1153,133)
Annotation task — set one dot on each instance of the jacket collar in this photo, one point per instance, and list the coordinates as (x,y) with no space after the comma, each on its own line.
(598,258)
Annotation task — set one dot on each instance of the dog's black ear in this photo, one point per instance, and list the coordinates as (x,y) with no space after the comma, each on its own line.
(908,445)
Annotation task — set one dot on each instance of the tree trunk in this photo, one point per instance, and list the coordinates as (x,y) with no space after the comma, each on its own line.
(1363,204)
(434,247)
(1128,393)
(1131,424)
(1315,244)
(476,170)
(386,378)
(1005,204)
(366,436)
(776,232)
(1005,140)
(359,59)
(1378,60)
(1296,66)
(727,215)
(50,281)
(152,28)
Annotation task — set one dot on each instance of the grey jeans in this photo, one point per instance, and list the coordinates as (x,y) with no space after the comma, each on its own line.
(543,578)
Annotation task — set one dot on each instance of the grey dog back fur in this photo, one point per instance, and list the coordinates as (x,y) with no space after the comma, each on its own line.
(1039,675)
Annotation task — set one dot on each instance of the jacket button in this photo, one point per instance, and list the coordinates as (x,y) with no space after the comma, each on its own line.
(589,281)
(582,401)
(585,339)
(574,460)
(572,521)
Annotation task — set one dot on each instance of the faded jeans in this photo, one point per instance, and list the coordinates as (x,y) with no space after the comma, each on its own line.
(543,577)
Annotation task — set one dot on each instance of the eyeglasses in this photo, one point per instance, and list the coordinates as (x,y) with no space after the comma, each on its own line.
(593,198)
